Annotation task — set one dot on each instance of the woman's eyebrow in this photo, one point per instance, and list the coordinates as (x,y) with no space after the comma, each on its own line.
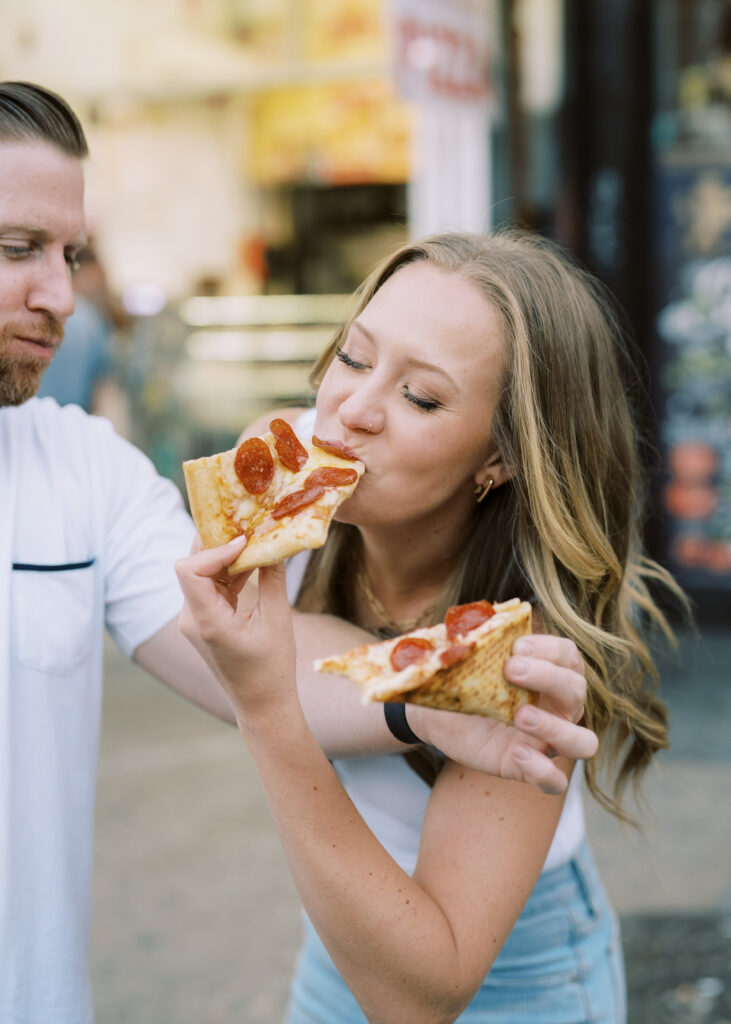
(411,361)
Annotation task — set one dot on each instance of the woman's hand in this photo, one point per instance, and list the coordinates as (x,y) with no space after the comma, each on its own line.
(525,751)
(249,649)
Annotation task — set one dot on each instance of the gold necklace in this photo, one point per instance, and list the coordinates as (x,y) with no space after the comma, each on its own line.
(376,606)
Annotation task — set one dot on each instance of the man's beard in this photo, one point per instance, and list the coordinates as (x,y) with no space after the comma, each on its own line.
(20,375)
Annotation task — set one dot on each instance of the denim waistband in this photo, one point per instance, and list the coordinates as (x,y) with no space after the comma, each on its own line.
(560,882)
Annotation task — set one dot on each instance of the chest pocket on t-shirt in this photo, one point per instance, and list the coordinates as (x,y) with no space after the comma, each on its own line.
(53,614)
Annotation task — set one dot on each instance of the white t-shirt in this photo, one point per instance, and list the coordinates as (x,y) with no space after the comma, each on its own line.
(88,536)
(391,798)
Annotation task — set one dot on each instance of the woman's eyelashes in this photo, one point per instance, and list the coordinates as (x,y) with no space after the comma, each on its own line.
(427,404)
(423,403)
(348,360)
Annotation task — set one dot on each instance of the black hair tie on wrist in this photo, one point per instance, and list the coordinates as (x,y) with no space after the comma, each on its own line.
(395,714)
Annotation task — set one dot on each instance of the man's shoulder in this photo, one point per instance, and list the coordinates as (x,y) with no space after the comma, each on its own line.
(63,421)
(42,433)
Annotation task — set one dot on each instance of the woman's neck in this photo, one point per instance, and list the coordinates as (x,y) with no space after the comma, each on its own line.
(402,576)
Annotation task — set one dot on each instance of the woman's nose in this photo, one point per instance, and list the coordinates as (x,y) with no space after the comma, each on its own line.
(360,412)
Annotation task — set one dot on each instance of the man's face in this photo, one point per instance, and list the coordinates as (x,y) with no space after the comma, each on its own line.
(41,231)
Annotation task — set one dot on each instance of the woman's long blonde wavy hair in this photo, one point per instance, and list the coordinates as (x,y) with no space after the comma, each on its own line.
(565,531)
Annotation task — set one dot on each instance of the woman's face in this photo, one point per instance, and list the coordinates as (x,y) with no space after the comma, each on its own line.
(413,390)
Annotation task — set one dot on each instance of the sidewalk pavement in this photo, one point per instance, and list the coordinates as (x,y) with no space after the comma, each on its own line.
(196,920)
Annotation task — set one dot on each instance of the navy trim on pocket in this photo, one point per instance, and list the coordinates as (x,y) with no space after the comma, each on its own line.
(30,567)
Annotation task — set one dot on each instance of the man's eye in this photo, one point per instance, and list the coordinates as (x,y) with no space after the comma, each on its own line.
(16,252)
(345,358)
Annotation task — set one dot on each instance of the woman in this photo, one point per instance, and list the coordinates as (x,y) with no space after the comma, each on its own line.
(478,379)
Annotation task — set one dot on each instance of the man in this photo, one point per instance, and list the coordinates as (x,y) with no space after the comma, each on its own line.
(88,537)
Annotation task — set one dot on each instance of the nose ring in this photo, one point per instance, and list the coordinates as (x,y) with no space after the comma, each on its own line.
(370,426)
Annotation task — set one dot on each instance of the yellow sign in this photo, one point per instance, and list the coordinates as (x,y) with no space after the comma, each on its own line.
(344,133)
(343,30)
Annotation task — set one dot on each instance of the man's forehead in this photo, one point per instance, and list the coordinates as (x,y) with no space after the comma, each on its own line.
(42,190)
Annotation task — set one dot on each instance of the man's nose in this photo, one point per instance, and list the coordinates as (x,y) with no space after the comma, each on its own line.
(52,291)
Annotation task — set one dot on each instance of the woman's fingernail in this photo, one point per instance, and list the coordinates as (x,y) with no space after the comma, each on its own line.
(236,541)
(523,646)
(518,666)
(530,717)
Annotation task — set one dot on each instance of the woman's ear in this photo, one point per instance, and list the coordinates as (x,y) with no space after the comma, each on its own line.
(493,468)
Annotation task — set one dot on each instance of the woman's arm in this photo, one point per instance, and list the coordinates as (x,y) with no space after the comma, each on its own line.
(345,727)
(411,949)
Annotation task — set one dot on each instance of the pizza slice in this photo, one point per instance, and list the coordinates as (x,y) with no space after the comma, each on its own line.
(455,665)
(280,491)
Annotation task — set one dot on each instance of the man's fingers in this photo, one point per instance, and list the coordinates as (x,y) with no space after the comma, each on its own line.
(563,737)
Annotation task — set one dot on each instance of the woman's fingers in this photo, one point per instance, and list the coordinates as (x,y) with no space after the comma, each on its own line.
(273,600)
(562,685)
(202,573)
(529,765)
(558,649)
(556,733)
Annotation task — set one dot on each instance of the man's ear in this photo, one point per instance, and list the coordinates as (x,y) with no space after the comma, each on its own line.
(493,468)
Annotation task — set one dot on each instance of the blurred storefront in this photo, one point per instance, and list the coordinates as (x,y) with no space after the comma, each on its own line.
(623,154)
(252,160)
(355,125)
(691,134)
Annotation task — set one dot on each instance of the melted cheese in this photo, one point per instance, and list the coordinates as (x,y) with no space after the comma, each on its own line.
(370,665)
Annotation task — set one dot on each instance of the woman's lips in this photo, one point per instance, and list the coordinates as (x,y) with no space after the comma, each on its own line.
(336,447)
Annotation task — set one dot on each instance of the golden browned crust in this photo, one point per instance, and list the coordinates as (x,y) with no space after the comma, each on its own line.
(477,685)
(203,484)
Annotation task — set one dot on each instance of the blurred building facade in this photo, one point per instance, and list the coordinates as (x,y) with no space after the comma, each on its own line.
(640,189)
(258,154)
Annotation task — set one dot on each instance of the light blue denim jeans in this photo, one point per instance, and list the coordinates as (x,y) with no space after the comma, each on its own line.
(562,963)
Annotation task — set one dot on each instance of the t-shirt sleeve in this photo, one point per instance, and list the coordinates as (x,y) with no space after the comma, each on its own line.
(146,530)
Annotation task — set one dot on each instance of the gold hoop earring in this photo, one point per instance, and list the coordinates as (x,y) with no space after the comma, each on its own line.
(482,490)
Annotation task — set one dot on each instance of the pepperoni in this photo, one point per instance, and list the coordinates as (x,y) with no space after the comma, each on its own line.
(331,476)
(290,450)
(454,654)
(296,501)
(335,448)
(254,465)
(461,618)
(409,650)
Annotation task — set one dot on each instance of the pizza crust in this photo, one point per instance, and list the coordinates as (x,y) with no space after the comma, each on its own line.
(223,509)
(475,685)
